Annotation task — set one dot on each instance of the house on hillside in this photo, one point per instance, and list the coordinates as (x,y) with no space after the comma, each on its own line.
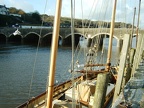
(4,10)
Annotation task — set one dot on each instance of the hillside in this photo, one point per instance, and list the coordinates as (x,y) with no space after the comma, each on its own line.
(9,20)
(34,18)
(78,22)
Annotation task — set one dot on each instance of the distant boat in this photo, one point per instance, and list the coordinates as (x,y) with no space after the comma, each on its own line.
(17,32)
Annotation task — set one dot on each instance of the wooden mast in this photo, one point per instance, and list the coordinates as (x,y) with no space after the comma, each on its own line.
(111,36)
(53,57)
(133,27)
(137,30)
(101,86)
(73,41)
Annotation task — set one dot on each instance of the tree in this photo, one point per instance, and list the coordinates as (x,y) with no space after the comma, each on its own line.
(36,16)
(13,10)
(21,12)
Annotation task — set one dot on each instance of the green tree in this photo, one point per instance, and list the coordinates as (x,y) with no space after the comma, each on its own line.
(36,16)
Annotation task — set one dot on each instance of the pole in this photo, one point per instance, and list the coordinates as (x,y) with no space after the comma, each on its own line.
(137,30)
(53,57)
(133,27)
(73,44)
(111,36)
(100,91)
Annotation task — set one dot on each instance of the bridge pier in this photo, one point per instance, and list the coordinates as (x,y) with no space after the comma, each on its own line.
(22,41)
(6,40)
(61,42)
(119,44)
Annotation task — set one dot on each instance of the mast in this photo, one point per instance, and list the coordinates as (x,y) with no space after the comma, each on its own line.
(73,41)
(111,36)
(53,57)
(133,27)
(137,30)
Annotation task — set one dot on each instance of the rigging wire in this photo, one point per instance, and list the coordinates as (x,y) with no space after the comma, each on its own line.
(73,45)
(125,15)
(104,37)
(138,20)
(87,59)
(89,27)
(82,16)
(86,21)
(94,5)
(35,60)
(91,45)
(98,39)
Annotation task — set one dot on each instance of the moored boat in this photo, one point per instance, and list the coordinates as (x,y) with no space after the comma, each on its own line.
(79,91)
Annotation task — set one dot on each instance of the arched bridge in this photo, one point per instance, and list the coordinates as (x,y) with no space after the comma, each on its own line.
(45,35)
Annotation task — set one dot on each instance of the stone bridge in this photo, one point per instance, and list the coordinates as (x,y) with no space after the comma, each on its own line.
(30,35)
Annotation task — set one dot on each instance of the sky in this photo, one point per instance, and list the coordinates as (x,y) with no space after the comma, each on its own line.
(84,9)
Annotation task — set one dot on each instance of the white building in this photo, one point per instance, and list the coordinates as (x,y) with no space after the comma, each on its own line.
(4,10)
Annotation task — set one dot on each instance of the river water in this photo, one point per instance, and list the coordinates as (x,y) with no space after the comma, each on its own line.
(24,71)
(18,68)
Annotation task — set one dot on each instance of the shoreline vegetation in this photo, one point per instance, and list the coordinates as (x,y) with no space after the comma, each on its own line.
(35,19)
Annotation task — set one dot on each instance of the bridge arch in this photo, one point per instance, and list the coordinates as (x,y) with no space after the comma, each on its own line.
(116,42)
(3,37)
(107,34)
(74,34)
(67,39)
(15,38)
(47,39)
(31,33)
(50,33)
(31,37)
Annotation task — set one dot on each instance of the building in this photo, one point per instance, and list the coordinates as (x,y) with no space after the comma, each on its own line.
(4,10)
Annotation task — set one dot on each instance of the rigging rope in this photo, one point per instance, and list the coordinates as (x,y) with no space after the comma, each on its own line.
(82,16)
(86,21)
(35,60)
(94,41)
(73,45)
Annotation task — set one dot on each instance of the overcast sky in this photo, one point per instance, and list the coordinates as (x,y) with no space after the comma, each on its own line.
(86,9)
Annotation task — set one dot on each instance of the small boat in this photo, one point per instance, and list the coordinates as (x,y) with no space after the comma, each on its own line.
(17,32)
(79,91)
